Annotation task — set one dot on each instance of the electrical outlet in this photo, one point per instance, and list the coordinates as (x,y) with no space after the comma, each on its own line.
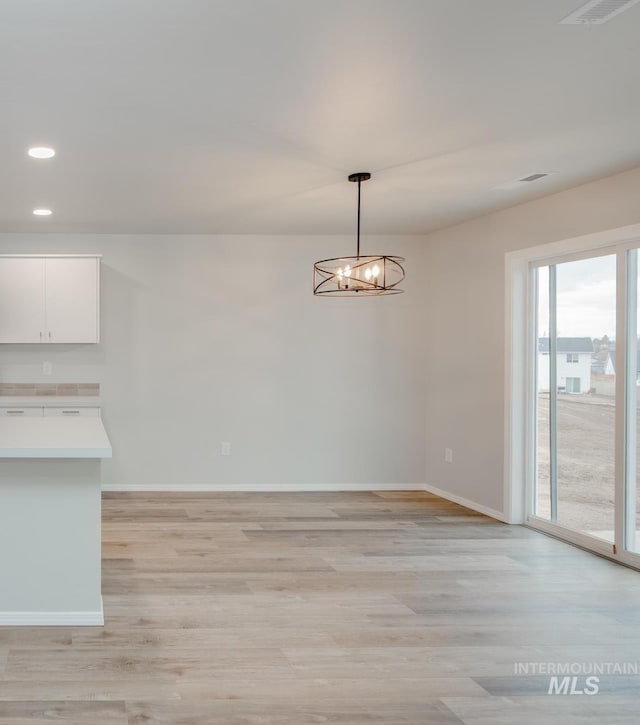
(448,455)
(225,448)
(47,368)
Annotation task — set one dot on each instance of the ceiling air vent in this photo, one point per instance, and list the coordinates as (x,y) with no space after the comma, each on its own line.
(533,177)
(597,12)
(521,183)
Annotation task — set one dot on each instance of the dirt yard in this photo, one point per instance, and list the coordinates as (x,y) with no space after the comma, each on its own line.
(585,461)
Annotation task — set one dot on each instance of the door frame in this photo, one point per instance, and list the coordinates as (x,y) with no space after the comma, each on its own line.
(520,377)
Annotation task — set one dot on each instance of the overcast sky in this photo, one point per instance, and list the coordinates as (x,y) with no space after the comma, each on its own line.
(586,298)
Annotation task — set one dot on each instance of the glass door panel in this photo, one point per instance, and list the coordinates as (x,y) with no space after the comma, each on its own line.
(576,395)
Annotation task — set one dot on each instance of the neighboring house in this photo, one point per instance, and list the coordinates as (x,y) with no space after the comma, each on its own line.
(610,366)
(573,364)
(599,362)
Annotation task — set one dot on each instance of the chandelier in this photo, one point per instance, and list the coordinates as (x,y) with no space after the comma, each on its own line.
(362,275)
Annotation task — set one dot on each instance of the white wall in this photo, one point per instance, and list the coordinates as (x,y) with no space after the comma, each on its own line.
(544,372)
(465,292)
(564,370)
(219,338)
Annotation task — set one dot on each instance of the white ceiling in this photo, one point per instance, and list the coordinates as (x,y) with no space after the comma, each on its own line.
(246,116)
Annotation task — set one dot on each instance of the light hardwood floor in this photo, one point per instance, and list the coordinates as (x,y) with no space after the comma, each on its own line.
(327,607)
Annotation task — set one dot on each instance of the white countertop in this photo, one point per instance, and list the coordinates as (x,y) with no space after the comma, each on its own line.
(50,401)
(54,437)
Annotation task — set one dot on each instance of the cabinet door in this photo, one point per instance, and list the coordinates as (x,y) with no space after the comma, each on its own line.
(72,288)
(22,299)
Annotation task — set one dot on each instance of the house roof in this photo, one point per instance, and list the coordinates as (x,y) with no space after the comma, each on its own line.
(567,344)
(612,356)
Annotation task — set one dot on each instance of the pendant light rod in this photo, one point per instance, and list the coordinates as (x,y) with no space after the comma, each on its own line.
(359,177)
(362,275)
(358,243)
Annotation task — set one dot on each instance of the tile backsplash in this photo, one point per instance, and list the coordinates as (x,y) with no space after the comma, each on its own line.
(21,389)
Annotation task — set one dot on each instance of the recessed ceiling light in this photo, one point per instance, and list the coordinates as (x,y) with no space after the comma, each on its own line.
(41,152)
(42,212)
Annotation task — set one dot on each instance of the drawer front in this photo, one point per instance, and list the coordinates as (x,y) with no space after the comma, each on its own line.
(15,412)
(71,412)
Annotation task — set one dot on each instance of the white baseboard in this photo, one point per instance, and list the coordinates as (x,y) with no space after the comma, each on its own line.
(264,488)
(52,619)
(297,488)
(493,513)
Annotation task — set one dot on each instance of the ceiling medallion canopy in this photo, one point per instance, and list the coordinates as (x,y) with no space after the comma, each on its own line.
(362,275)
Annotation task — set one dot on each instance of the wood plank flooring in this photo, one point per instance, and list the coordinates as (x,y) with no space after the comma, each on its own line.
(290,609)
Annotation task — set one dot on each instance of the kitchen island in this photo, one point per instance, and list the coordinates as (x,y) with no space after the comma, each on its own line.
(50,520)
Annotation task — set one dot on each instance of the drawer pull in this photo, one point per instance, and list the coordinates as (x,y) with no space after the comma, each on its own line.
(70,412)
(15,412)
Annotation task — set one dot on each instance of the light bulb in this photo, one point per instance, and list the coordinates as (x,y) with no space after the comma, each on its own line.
(42,212)
(376,270)
(340,272)
(347,271)
(41,152)
(367,274)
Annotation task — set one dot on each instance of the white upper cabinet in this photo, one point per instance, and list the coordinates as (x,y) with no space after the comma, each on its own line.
(22,299)
(49,299)
(71,299)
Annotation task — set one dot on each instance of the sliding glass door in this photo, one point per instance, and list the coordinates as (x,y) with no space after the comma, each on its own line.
(586,384)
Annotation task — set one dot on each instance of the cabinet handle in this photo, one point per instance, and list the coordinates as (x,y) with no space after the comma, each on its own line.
(49,336)
(41,337)
(15,412)
(71,412)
